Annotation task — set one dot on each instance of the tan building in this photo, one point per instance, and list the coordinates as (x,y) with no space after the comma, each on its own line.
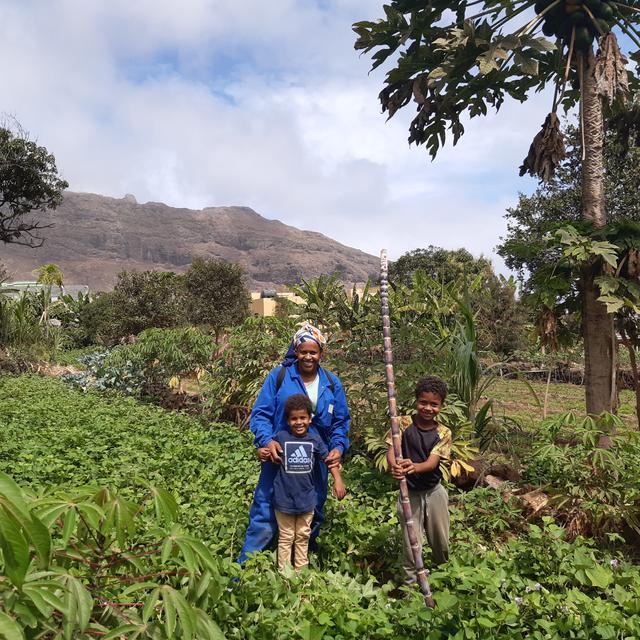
(264,303)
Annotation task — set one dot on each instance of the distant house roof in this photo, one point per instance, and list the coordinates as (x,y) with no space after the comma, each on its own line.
(15,289)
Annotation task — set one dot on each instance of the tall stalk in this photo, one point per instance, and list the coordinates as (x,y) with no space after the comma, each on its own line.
(421,572)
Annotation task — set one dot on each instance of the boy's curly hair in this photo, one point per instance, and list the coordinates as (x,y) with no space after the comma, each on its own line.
(432,384)
(296,402)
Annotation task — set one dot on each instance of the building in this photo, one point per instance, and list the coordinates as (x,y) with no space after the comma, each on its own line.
(264,303)
(16,289)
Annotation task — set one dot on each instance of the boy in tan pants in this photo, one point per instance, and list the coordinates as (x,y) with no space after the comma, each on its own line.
(425,444)
(294,494)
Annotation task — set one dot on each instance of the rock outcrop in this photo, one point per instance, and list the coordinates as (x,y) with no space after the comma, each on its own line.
(94,237)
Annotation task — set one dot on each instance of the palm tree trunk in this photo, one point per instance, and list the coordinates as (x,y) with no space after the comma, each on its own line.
(597,324)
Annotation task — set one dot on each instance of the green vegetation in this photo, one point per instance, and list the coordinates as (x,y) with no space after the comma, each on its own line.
(458,60)
(211,295)
(26,331)
(507,579)
(29,186)
(215,294)
(121,519)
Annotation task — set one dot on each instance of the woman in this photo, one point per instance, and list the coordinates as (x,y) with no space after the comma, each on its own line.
(300,372)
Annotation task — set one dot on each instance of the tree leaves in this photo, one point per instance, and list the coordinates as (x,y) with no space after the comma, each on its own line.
(473,65)
(29,185)
(19,530)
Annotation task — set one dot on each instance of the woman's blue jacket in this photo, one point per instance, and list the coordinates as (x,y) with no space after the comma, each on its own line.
(331,419)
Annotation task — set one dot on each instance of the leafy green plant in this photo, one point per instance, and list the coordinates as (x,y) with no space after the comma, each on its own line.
(166,355)
(28,329)
(86,562)
(596,488)
(128,377)
(252,349)
(506,578)
(462,448)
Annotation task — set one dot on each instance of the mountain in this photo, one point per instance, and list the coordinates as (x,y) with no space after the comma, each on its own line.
(94,237)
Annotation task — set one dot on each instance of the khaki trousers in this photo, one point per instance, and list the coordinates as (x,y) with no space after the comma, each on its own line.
(293,535)
(430,513)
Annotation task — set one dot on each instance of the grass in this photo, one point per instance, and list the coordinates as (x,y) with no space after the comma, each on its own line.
(524,400)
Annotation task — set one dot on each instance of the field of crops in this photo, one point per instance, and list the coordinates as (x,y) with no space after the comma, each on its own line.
(508,578)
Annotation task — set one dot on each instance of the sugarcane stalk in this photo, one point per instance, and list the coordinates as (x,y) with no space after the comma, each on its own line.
(421,572)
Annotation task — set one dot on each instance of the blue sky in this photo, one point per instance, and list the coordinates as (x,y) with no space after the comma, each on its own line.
(263,104)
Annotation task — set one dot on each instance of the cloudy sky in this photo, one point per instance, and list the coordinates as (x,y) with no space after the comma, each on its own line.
(246,102)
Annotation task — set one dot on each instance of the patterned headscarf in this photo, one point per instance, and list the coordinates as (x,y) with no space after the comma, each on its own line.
(307,332)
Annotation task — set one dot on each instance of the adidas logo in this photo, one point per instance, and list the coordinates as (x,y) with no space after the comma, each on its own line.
(299,456)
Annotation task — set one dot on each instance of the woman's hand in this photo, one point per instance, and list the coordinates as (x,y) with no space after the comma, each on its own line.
(273,451)
(334,458)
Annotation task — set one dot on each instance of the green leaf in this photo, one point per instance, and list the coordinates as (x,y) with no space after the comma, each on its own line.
(119,516)
(527,64)
(48,513)
(207,629)
(539,44)
(121,631)
(607,251)
(149,608)
(310,631)
(446,600)
(599,576)
(487,63)
(9,488)
(70,521)
(165,505)
(613,303)
(9,628)
(187,554)
(15,547)
(78,603)
(169,606)
(186,614)
(485,622)
(34,531)
(41,593)
(92,513)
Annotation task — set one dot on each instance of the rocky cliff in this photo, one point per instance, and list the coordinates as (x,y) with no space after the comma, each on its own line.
(94,237)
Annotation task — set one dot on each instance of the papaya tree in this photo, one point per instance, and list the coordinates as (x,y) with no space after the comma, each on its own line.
(460,58)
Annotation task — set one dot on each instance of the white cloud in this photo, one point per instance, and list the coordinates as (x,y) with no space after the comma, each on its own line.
(213,102)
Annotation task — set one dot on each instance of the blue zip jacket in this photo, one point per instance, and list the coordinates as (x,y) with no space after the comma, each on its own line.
(331,420)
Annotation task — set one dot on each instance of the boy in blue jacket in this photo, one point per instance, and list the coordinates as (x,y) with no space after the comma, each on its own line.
(300,372)
(294,496)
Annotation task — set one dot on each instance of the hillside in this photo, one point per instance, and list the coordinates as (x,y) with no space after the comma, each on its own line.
(94,237)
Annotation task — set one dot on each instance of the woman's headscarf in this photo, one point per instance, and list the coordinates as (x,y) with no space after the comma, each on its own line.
(307,332)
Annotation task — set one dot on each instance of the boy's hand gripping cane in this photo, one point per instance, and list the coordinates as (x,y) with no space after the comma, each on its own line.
(421,572)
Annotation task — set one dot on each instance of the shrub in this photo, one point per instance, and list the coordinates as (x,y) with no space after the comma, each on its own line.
(597,489)
(252,349)
(165,355)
